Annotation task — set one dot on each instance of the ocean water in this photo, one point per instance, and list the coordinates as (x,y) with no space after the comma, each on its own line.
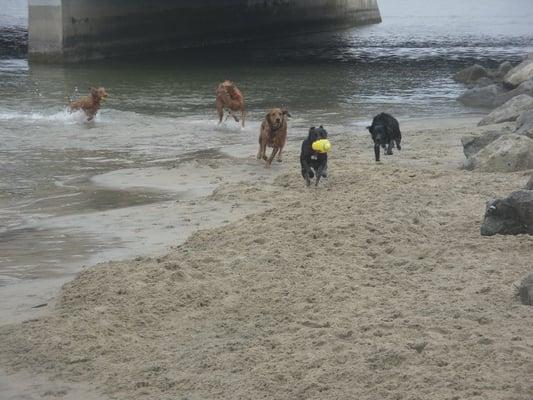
(161,107)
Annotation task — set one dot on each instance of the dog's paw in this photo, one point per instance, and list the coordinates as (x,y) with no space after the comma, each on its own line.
(278,160)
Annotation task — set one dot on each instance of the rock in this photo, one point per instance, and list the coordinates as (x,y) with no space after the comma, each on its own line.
(521,73)
(474,143)
(503,69)
(524,124)
(482,96)
(508,153)
(471,74)
(529,184)
(512,215)
(524,291)
(503,97)
(482,82)
(509,111)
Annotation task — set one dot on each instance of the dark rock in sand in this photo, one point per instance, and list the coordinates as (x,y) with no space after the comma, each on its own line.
(474,143)
(508,153)
(521,73)
(471,74)
(524,291)
(482,96)
(524,124)
(529,184)
(512,215)
(503,97)
(509,111)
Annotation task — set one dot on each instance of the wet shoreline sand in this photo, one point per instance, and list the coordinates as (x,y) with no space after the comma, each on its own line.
(376,284)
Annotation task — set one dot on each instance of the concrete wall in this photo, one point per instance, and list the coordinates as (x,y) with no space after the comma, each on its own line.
(74,30)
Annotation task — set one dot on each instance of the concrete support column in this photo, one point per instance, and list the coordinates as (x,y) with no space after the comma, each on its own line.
(45,30)
(76,30)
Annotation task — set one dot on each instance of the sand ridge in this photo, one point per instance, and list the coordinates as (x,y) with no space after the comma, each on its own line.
(376,285)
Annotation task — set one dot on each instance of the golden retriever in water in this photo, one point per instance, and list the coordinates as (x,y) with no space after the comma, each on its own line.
(273,134)
(229,97)
(90,104)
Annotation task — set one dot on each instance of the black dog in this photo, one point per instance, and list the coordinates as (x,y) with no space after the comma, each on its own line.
(313,162)
(385,131)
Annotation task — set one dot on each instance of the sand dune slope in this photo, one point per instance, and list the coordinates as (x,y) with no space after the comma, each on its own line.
(376,285)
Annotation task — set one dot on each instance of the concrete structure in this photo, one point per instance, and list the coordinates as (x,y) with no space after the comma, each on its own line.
(75,30)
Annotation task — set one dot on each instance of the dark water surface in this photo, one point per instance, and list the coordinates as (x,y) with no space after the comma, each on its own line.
(161,106)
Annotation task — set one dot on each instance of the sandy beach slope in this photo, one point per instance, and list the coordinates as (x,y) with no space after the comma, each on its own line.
(376,285)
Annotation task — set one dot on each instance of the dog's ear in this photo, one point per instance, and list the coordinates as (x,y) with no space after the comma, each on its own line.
(269,122)
(369,128)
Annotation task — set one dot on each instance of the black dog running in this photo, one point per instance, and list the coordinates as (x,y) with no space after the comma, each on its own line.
(313,162)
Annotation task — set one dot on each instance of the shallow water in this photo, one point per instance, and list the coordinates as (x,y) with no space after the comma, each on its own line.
(161,109)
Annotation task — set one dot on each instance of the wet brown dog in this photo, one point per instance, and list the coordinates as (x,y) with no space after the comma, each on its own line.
(229,97)
(90,104)
(273,134)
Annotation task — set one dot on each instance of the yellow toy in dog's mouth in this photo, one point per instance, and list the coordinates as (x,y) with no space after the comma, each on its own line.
(322,146)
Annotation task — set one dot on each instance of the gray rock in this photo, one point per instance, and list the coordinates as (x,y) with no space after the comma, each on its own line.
(482,96)
(508,153)
(509,111)
(471,74)
(524,124)
(512,215)
(503,97)
(503,69)
(521,73)
(529,184)
(474,143)
(524,291)
(481,82)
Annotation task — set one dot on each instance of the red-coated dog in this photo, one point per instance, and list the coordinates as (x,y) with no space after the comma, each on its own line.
(273,134)
(229,97)
(90,104)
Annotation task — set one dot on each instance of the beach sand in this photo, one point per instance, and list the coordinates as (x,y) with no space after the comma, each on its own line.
(375,285)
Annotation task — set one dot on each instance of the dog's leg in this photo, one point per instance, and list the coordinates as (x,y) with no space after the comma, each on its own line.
(274,152)
(398,146)
(261,150)
(220,111)
(319,174)
(278,159)
(307,173)
(243,116)
(376,151)
(389,148)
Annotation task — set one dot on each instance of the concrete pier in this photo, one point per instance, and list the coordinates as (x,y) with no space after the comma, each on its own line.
(76,30)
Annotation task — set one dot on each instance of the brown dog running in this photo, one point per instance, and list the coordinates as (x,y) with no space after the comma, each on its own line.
(90,104)
(229,97)
(273,134)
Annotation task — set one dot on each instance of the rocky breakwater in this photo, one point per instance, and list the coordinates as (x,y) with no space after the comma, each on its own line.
(490,88)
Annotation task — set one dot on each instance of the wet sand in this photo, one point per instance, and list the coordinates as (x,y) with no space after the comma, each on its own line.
(376,284)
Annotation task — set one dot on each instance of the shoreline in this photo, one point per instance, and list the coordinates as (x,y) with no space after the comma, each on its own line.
(379,266)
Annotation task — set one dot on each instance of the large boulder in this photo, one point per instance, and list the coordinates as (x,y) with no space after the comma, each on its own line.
(524,124)
(509,111)
(508,153)
(503,69)
(524,290)
(503,97)
(512,215)
(471,74)
(521,73)
(529,184)
(482,96)
(472,144)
